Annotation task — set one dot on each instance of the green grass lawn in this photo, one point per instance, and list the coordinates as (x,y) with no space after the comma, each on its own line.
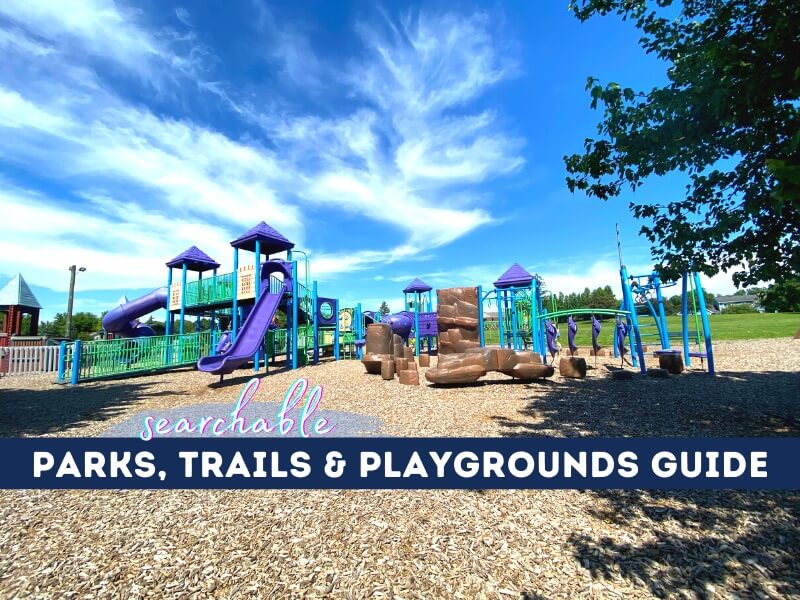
(723,327)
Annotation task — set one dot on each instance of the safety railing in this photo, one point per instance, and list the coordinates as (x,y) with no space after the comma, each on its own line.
(212,290)
(82,361)
(27,360)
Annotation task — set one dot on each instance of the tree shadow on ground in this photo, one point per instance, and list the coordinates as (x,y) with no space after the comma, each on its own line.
(696,542)
(681,543)
(31,412)
(694,404)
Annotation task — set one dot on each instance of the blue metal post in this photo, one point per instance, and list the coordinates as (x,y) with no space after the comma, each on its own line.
(480,317)
(62,359)
(168,323)
(76,363)
(315,321)
(501,302)
(662,315)
(295,303)
(235,308)
(685,318)
(213,314)
(336,331)
(701,301)
(635,338)
(257,275)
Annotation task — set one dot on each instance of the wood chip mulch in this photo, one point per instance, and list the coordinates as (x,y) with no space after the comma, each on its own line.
(419,544)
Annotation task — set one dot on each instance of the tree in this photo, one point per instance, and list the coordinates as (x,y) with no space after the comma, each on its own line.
(83,325)
(729,118)
(384,308)
(782,297)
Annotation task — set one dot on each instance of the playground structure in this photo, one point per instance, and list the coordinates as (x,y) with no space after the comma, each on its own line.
(16,301)
(241,308)
(417,321)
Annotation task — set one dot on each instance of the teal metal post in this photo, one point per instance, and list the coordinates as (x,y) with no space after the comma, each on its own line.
(62,359)
(685,318)
(168,323)
(182,313)
(315,321)
(701,300)
(76,363)
(257,275)
(235,309)
(183,298)
(514,342)
(336,331)
(295,303)
(359,328)
(416,324)
(635,338)
(200,299)
(501,305)
(480,317)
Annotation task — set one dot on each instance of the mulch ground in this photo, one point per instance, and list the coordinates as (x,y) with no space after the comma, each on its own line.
(419,544)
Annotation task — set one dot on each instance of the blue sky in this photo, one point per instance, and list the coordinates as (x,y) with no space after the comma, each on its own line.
(408,140)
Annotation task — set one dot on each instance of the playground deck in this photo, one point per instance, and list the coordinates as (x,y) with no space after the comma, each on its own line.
(419,544)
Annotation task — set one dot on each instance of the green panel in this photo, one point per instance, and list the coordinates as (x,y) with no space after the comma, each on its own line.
(212,290)
(108,358)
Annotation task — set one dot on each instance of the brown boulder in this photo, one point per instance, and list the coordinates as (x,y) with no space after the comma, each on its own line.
(529,371)
(409,377)
(397,346)
(572,367)
(424,360)
(379,339)
(528,357)
(465,374)
(506,359)
(408,353)
(621,375)
(387,369)
(672,362)
(372,362)
(400,364)
(601,352)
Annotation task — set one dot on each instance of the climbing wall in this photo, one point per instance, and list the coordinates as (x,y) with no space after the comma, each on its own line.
(458,320)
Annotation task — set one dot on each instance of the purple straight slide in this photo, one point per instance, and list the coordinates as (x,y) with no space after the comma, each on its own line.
(250,336)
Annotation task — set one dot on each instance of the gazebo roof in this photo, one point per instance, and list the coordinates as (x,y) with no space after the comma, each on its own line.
(515,276)
(271,240)
(17,293)
(195,260)
(417,286)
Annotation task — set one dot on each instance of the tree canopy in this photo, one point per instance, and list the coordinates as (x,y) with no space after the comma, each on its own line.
(728,118)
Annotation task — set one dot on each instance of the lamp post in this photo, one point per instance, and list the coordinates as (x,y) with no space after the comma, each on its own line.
(68,328)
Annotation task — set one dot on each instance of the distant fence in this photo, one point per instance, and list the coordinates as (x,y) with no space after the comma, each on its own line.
(26,360)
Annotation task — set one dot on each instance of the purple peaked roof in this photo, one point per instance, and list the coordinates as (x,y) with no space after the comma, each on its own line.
(194,259)
(516,276)
(271,241)
(417,286)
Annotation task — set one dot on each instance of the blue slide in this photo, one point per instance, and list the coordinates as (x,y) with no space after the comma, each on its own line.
(250,336)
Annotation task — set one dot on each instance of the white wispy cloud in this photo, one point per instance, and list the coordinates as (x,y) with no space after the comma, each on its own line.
(402,155)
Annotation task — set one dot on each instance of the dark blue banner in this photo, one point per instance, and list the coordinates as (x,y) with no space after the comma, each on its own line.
(402,463)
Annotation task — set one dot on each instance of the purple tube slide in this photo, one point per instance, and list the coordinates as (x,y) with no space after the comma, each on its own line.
(122,319)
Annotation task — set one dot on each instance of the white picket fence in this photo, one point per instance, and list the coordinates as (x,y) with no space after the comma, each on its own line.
(24,360)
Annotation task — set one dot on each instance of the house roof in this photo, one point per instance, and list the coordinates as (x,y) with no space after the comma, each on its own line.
(515,276)
(740,299)
(271,240)
(194,259)
(17,293)
(417,286)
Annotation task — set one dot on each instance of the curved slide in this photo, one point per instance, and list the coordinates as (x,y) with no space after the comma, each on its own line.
(249,339)
(123,318)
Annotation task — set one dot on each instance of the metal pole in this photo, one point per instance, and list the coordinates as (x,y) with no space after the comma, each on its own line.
(336,332)
(701,300)
(68,327)
(480,317)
